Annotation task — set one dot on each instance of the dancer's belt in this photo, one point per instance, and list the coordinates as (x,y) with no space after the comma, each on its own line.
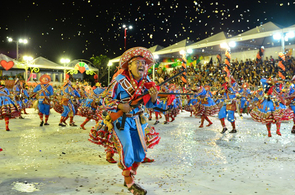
(131,115)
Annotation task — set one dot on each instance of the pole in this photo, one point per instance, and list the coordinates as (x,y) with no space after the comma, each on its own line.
(17,50)
(64,74)
(283,42)
(125,36)
(108,75)
(26,74)
(154,73)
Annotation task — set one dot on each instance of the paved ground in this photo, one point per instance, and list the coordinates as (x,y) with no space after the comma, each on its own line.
(188,160)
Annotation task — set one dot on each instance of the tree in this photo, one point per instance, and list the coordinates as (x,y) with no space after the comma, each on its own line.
(101,63)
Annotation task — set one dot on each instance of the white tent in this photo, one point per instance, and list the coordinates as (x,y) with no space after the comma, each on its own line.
(155,48)
(41,62)
(181,45)
(6,58)
(252,39)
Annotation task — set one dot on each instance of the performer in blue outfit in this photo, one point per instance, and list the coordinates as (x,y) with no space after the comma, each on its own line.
(271,108)
(8,109)
(68,107)
(25,98)
(256,96)
(17,92)
(291,101)
(245,93)
(229,107)
(192,101)
(164,103)
(127,86)
(45,91)
(89,107)
(178,101)
(205,106)
(98,90)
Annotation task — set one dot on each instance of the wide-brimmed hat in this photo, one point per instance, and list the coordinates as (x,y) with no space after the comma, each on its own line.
(135,52)
(45,76)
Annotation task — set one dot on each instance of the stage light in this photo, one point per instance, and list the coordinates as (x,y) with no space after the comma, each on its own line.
(277,36)
(232,44)
(190,51)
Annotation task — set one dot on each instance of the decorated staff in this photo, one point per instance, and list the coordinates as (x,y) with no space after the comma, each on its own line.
(227,62)
(45,91)
(183,76)
(281,65)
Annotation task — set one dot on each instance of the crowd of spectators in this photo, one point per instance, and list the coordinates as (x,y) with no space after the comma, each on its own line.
(12,77)
(243,71)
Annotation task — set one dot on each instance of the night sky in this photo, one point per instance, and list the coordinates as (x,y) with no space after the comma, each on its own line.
(79,29)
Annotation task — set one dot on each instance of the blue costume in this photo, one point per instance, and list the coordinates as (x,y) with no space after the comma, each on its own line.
(45,91)
(17,90)
(229,107)
(90,107)
(271,109)
(68,107)
(129,135)
(258,94)
(244,103)
(192,102)
(133,134)
(163,104)
(21,97)
(98,90)
(25,99)
(292,93)
(291,102)
(178,101)
(8,109)
(206,105)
